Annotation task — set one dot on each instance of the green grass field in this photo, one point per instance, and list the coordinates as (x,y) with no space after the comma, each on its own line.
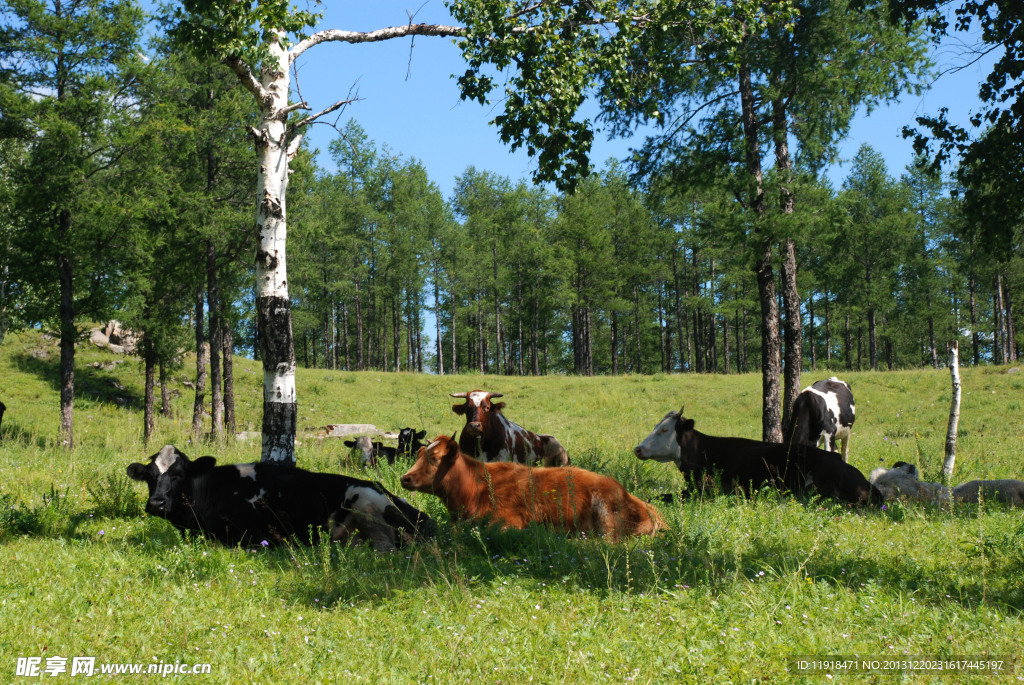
(731,592)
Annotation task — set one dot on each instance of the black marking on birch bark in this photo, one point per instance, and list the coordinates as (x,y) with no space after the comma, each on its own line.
(272,206)
(268,260)
(275,325)
(279,421)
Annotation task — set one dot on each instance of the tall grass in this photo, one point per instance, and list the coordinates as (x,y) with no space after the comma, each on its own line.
(727,593)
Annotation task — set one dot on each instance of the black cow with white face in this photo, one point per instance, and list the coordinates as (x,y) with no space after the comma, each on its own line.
(246,504)
(747,465)
(822,414)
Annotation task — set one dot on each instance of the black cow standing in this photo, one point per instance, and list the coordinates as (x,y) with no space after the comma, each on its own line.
(822,414)
(747,465)
(247,504)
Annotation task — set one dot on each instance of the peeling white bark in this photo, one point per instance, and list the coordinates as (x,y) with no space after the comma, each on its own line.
(954,414)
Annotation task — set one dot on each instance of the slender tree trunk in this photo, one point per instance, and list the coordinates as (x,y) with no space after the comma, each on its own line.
(744,364)
(793,331)
(216,344)
(931,342)
(954,414)
(228,340)
(519,316)
(810,331)
(360,335)
(771,362)
(872,340)
(498,345)
(68,333)
(480,336)
(396,332)
(455,364)
(1003,326)
(975,337)
(274,149)
(437,324)
(148,396)
(997,343)
(615,342)
(661,329)
(165,398)
(828,330)
(848,345)
(636,324)
(344,334)
(712,365)
(198,407)
(679,310)
(1011,330)
(860,347)
(725,342)
(536,332)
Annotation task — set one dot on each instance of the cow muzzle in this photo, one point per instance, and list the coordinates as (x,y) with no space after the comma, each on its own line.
(158,506)
(473,428)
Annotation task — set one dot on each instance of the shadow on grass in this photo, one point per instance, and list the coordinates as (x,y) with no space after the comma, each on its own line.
(13,432)
(698,550)
(90,382)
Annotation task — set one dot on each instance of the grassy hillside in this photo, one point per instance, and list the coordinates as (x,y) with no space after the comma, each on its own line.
(731,591)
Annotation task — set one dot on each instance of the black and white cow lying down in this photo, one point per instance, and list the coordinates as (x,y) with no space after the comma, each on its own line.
(824,413)
(750,464)
(246,504)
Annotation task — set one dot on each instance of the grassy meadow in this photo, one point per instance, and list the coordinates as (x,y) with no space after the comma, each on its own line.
(729,593)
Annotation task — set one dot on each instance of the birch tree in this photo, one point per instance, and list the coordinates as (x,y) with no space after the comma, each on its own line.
(260,42)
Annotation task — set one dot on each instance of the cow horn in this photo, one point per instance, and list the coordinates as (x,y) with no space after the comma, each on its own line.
(458,394)
(682,410)
(494,394)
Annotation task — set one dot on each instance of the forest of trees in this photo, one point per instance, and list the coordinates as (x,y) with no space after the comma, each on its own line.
(611,279)
(128,187)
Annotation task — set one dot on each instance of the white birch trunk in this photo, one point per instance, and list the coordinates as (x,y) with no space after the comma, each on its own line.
(272,302)
(954,414)
(276,144)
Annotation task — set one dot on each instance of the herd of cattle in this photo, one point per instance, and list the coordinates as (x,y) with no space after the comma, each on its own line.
(500,472)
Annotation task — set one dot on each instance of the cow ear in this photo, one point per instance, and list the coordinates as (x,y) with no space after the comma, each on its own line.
(201,466)
(421,434)
(453,449)
(497,406)
(684,426)
(459,408)
(138,472)
(350,443)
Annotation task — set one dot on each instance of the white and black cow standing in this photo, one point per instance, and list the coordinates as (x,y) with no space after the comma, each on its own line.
(822,414)
(489,436)
(246,504)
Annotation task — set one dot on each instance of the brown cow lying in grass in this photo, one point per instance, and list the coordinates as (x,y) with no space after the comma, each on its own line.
(514,495)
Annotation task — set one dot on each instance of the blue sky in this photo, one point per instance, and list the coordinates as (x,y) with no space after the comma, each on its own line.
(410,102)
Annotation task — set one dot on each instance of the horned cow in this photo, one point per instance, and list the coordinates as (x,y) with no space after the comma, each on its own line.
(747,465)
(489,436)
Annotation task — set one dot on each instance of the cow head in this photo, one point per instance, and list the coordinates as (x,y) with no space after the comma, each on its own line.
(168,475)
(477,410)
(662,443)
(554,453)
(432,465)
(364,446)
(409,440)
